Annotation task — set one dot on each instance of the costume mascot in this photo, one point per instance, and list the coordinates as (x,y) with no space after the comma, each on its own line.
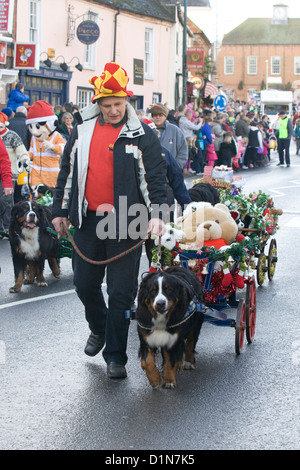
(47,145)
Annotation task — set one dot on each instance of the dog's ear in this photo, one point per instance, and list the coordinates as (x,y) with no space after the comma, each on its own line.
(143,291)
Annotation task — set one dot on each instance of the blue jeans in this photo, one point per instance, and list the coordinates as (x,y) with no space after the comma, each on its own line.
(121,281)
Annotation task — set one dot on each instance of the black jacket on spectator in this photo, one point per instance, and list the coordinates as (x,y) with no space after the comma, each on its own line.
(18,125)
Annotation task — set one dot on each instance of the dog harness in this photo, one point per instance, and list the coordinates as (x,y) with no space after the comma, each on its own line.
(193,308)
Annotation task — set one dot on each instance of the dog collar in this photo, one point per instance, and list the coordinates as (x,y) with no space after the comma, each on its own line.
(193,308)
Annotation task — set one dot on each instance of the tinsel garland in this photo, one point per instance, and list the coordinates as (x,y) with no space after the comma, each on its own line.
(46,200)
(245,248)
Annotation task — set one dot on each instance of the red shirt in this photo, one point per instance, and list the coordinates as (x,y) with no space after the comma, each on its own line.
(99,187)
(5,167)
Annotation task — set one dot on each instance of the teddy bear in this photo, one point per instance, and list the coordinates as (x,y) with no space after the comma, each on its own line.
(211,226)
(205,224)
(166,247)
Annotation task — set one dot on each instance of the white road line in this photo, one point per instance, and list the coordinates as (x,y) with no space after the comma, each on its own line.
(41,297)
(35,299)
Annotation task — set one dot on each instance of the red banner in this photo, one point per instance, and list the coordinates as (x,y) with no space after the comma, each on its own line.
(4,13)
(195,59)
(25,56)
(3,51)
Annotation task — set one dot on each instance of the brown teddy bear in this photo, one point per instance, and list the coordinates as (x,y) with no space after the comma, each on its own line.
(204,224)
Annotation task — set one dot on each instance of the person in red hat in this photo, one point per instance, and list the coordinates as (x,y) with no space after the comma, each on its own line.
(111,158)
(47,145)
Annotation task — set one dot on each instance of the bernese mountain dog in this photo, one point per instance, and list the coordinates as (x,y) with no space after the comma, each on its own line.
(31,244)
(40,190)
(169,317)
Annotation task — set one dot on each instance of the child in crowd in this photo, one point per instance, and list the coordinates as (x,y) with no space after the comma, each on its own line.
(265,153)
(297,135)
(228,149)
(237,161)
(211,155)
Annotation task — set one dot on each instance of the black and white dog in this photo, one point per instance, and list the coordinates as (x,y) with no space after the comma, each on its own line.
(31,244)
(169,317)
(40,190)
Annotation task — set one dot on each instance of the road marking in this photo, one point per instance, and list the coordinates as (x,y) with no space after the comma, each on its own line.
(35,299)
(41,297)
(281,194)
(294,222)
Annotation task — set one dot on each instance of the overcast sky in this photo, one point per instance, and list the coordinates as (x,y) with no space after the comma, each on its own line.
(231,13)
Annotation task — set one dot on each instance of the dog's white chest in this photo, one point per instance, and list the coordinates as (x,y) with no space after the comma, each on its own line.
(30,244)
(162,339)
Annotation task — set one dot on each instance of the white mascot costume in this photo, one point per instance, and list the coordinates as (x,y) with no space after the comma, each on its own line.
(47,145)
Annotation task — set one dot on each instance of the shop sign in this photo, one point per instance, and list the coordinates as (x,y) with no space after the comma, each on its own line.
(198,82)
(88,32)
(5,6)
(3,52)
(195,59)
(25,55)
(138,72)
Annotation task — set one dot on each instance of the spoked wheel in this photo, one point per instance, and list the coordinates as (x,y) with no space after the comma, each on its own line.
(250,309)
(261,269)
(272,259)
(240,326)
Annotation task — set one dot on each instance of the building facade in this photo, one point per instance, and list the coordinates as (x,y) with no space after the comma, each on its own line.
(261,53)
(144,36)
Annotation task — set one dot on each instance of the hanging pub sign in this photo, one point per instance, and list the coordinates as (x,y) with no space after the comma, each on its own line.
(6,10)
(138,71)
(25,56)
(198,82)
(88,32)
(3,52)
(195,59)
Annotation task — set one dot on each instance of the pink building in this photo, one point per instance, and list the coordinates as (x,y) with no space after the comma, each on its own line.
(145,37)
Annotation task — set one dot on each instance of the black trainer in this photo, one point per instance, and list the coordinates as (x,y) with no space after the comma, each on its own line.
(94,344)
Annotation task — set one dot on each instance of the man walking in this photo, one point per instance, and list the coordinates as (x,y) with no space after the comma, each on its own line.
(285,133)
(110,156)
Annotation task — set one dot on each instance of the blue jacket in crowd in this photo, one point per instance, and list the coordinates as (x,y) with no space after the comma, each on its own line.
(16,98)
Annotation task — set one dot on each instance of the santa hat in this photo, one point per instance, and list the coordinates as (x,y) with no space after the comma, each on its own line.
(3,120)
(112,82)
(41,111)
(149,123)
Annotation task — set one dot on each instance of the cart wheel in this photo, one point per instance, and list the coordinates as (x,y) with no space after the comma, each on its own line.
(261,269)
(272,259)
(240,326)
(250,309)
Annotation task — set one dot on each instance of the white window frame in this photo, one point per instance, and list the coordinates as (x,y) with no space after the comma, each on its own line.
(297,65)
(149,54)
(90,53)
(275,62)
(84,97)
(252,65)
(34,21)
(229,65)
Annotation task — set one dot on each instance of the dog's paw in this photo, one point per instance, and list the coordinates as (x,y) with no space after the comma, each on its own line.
(14,290)
(188,365)
(169,384)
(28,281)
(42,284)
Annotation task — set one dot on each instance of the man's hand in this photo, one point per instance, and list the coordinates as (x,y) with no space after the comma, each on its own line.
(8,191)
(156,227)
(58,222)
